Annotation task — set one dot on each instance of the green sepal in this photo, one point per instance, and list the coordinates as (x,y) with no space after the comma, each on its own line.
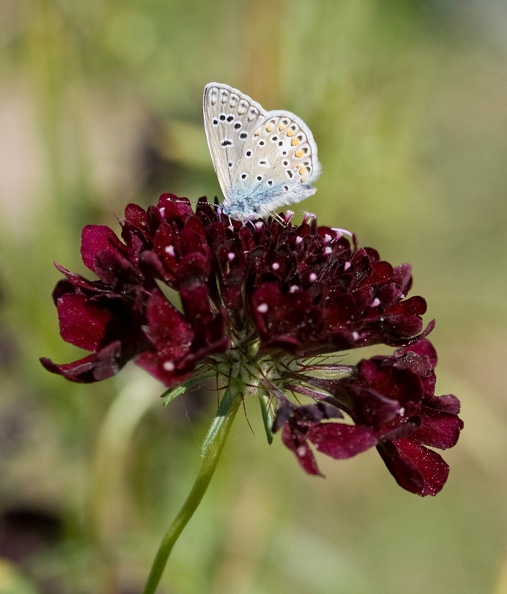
(228,403)
(173,393)
(268,415)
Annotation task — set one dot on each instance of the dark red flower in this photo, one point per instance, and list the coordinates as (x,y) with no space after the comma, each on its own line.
(184,293)
(125,315)
(390,403)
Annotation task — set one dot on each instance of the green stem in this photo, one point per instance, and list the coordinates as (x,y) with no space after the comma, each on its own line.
(211,451)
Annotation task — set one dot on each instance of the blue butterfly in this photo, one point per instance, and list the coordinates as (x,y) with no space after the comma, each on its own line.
(263,159)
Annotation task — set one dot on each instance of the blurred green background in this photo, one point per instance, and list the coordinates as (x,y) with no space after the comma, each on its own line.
(100,104)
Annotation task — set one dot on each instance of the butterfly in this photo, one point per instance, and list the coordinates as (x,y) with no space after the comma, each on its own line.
(263,159)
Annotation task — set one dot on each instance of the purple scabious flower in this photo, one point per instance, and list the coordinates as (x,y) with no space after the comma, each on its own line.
(268,305)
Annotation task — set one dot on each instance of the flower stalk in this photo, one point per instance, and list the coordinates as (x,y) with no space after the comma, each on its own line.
(211,451)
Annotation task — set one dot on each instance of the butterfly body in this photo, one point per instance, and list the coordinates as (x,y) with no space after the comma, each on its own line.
(263,159)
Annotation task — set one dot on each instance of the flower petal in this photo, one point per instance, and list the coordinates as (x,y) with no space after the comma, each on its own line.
(298,445)
(342,441)
(82,323)
(414,467)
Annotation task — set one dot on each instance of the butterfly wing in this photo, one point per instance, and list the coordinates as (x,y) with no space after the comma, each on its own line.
(227,113)
(282,165)
(263,160)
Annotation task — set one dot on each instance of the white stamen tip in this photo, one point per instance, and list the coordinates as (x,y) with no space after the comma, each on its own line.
(313,277)
(169,250)
(262,308)
(168,365)
(288,216)
(275,266)
(231,256)
(339,232)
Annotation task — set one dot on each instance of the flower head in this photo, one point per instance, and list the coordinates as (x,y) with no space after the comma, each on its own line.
(266,303)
